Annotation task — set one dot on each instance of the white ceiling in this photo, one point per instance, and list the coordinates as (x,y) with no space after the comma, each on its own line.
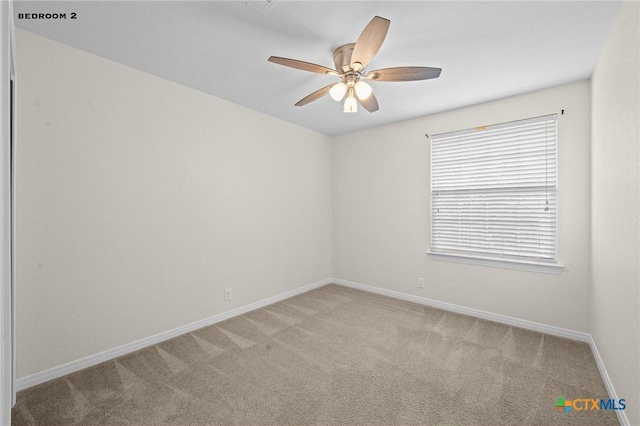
(487,50)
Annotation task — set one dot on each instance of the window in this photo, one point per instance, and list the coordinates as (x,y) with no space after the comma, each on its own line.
(493,193)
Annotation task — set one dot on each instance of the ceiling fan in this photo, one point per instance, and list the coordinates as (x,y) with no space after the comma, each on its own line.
(351,61)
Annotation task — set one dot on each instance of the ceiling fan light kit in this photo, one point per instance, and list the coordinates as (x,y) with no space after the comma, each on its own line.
(338,91)
(363,90)
(350,62)
(350,105)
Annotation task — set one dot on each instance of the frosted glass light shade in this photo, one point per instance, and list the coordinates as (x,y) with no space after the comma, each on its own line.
(363,90)
(350,105)
(337,92)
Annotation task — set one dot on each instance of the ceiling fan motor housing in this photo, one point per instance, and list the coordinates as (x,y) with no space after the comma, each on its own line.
(342,57)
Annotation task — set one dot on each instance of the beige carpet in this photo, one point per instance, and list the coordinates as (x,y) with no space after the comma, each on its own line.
(333,355)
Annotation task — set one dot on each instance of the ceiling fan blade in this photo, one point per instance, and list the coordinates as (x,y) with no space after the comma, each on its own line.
(369,42)
(315,95)
(404,74)
(301,65)
(370,104)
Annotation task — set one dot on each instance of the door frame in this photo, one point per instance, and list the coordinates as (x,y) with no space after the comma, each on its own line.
(7,143)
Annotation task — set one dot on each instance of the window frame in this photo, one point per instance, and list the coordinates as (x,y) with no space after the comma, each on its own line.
(552,266)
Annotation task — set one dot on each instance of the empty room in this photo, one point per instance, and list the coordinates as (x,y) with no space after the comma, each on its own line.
(279,212)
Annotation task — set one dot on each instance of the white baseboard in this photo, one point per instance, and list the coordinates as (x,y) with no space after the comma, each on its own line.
(516,322)
(73,366)
(622,416)
(530,325)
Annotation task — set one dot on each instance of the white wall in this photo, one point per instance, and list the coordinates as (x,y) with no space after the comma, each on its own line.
(615,302)
(141,200)
(381,215)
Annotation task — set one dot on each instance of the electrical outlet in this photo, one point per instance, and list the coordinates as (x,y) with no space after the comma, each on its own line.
(227,294)
(420,282)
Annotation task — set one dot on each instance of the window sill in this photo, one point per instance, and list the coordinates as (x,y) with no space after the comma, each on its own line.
(522,265)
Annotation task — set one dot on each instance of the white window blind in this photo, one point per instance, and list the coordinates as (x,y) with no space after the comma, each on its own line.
(493,190)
